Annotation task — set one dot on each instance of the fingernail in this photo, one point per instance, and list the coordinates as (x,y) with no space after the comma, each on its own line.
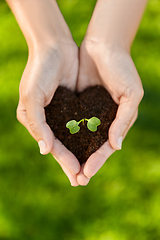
(120,142)
(87,176)
(42,146)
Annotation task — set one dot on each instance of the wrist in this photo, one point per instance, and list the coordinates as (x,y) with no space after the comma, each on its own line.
(108,43)
(101,52)
(59,40)
(96,45)
(51,49)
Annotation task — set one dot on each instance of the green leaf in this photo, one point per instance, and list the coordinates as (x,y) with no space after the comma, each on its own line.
(93,123)
(73,126)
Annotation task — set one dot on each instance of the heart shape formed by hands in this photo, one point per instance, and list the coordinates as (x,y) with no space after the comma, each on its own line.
(67,105)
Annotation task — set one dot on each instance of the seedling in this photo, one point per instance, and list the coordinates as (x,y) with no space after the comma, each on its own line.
(92,124)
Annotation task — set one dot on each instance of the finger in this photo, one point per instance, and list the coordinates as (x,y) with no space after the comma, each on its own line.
(37,123)
(124,117)
(131,124)
(22,117)
(97,159)
(65,157)
(72,178)
(81,178)
(45,135)
(57,150)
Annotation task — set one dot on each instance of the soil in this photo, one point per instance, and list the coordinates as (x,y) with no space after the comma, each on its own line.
(67,105)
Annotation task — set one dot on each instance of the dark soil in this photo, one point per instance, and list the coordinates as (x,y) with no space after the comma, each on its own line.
(66,106)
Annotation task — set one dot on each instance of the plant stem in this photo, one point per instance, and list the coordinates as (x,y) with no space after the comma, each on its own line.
(84,119)
(81,121)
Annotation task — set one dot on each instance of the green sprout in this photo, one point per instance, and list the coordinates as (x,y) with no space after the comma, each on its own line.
(92,124)
(73,126)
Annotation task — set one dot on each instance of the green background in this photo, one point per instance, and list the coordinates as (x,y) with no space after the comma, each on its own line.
(122,201)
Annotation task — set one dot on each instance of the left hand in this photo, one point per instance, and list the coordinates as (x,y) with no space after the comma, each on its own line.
(113,68)
(48,66)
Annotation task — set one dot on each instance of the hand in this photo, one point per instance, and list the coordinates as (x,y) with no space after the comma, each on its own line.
(46,69)
(113,68)
(53,61)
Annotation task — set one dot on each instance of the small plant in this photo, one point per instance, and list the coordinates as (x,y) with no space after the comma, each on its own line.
(92,124)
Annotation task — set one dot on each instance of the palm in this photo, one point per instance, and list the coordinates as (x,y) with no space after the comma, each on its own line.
(48,69)
(112,69)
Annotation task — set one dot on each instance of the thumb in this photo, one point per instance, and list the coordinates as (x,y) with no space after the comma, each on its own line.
(126,116)
(37,124)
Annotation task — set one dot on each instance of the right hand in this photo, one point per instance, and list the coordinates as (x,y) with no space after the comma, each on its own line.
(113,68)
(48,67)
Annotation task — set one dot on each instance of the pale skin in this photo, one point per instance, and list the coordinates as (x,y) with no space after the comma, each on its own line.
(53,60)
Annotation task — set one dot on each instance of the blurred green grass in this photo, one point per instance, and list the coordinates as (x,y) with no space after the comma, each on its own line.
(122,201)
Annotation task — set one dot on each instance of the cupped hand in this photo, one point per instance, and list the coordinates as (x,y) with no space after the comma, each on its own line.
(48,66)
(113,68)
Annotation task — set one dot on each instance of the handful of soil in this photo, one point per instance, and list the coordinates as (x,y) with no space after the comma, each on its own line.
(67,105)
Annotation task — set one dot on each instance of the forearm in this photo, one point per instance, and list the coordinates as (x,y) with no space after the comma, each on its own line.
(40,21)
(116,21)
